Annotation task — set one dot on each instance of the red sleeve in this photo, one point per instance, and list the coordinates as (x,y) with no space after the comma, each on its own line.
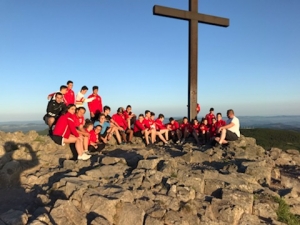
(51,95)
(91,104)
(146,124)
(72,127)
(176,125)
(100,106)
(140,125)
(126,116)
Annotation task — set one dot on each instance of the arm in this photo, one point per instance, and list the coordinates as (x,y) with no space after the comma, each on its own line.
(72,127)
(88,99)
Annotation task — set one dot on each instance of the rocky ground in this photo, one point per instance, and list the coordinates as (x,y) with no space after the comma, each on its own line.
(133,185)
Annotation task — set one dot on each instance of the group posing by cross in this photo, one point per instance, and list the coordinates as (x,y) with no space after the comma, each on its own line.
(67,124)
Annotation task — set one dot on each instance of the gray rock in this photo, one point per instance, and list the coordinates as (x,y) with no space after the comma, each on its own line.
(130,214)
(148,164)
(14,217)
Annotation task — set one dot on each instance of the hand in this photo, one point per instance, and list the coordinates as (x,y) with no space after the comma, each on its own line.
(92,114)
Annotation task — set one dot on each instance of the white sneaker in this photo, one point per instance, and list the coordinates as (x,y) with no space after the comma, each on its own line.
(84,156)
(183,141)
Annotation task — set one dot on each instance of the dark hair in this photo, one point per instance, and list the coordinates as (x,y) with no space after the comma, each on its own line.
(161,116)
(171,119)
(147,111)
(219,114)
(230,111)
(141,115)
(106,108)
(69,82)
(120,109)
(58,93)
(88,122)
(152,114)
(202,119)
(84,88)
(81,107)
(211,109)
(95,88)
(70,106)
(184,118)
(129,106)
(63,87)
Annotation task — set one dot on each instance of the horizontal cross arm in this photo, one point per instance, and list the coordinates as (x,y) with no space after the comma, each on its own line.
(188,15)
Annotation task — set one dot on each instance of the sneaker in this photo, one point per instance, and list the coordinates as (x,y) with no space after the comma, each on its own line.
(183,141)
(84,156)
(177,142)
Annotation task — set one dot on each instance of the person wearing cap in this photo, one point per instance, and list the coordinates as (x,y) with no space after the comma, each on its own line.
(231,131)
(210,116)
(122,126)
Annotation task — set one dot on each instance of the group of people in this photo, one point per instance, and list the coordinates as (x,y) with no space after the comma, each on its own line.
(65,117)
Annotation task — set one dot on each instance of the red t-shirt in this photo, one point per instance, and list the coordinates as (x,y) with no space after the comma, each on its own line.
(220,123)
(196,127)
(95,105)
(78,120)
(138,126)
(147,123)
(174,126)
(69,97)
(204,127)
(209,118)
(120,120)
(213,130)
(65,126)
(93,137)
(159,125)
(187,125)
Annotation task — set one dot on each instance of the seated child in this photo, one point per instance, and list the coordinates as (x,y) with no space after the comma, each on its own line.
(195,130)
(204,131)
(175,132)
(186,129)
(94,145)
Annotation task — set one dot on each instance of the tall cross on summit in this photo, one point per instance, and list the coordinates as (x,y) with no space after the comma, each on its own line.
(194,18)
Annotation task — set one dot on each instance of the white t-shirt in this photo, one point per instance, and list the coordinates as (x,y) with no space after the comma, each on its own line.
(236,128)
(80,99)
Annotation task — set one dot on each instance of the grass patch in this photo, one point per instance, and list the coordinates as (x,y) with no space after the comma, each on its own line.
(39,139)
(284,214)
(268,138)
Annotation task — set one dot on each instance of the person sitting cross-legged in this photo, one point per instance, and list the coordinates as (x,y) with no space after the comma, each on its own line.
(204,131)
(196,130)
(94,145)
(231,131)
(65,132)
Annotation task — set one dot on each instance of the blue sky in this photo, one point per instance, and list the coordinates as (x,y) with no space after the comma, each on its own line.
(137,58)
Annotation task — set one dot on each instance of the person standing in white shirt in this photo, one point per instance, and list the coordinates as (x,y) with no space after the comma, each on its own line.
(80,97)
(231,131)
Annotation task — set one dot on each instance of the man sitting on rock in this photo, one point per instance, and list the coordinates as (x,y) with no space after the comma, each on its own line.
(231,131)
(55,108)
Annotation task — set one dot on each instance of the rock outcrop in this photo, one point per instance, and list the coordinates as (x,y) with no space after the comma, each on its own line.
(134,185)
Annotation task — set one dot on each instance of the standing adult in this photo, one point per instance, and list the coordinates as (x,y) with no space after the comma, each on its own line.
(231,131)
(69,95)
(95,106)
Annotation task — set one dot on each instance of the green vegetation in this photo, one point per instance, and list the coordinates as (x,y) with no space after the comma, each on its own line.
(268,138)
(284,214)
(43,132)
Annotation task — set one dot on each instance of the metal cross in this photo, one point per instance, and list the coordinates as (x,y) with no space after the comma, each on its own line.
(194,18)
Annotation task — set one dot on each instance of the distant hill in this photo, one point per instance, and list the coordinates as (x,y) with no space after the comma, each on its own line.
(268,138)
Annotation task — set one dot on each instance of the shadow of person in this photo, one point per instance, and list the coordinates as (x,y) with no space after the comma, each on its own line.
(18,157)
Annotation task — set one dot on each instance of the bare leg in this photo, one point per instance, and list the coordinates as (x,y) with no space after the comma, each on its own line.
(77,141)
(165,132)
(222,138)
(179,134)
(146,134)
(153,136)
(85,143)
(161,137)
(50,122)
(128,123)
(130,132)
(116,132)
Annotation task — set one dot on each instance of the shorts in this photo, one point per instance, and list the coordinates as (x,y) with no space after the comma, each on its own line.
(46,118)
(230,136)
(138,134)
(58,139)
(105,133)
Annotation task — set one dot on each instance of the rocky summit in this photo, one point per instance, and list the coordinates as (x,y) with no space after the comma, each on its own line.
(133,185)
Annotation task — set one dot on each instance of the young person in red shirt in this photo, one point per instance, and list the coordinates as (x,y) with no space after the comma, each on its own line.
(160,127)
(213,128)
(95,106)
(139,130)
(157,131)
(130,117)
(186,129)
(65,132)
(210,116)
(220,122)
(204,131)
(63,90)
(79,124)
(122,126)
(69,96)
(150,126)
(94,144)
(174,128)
(196,130)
